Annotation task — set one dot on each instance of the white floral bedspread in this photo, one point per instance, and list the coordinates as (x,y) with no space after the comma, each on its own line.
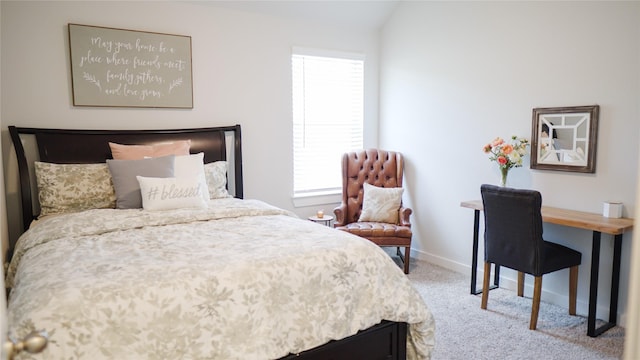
(239,280)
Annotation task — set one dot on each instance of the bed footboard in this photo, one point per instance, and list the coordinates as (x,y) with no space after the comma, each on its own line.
(385,341)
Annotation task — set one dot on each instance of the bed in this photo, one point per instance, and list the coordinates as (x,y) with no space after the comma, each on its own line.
(232,279)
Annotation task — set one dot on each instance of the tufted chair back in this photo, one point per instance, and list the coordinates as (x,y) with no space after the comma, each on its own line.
(379,168)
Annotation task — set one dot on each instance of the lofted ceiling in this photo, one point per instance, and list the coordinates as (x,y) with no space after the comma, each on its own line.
(370,14)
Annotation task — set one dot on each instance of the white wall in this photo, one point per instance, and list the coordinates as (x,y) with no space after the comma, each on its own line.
(454,75)
(241,74)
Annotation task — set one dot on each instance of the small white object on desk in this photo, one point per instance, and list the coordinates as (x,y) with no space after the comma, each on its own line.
(320,214)
(612,209)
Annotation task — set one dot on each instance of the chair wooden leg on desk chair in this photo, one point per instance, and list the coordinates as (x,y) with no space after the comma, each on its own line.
(520,284)
(573,289)
(537,292)
(535,306)
(485,285)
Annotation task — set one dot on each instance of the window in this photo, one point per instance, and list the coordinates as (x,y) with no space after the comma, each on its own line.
(328,111)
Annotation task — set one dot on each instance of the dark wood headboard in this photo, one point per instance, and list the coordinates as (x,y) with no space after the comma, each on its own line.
(72,146)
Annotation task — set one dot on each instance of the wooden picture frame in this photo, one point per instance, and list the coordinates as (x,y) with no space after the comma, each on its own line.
(128,68)
(565,138)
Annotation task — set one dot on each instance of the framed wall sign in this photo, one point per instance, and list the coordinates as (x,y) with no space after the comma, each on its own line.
(127,68)
(565,138)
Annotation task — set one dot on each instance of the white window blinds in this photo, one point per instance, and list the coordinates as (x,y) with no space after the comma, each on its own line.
(328,116)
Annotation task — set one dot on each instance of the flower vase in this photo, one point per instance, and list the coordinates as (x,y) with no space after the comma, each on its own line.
(503,176)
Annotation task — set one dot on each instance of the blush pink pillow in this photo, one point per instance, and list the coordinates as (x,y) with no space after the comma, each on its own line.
(138,152)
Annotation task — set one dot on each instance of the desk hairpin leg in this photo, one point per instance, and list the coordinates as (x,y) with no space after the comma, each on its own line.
(593,286)
(474,260)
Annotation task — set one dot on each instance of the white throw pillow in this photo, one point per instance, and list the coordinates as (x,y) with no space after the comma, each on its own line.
(171,193)
(192,166)
(381,204)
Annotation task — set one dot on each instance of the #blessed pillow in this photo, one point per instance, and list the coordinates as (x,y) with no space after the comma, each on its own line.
(381,204)
(171,193)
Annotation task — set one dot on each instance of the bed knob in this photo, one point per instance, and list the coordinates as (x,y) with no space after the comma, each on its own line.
(33,343)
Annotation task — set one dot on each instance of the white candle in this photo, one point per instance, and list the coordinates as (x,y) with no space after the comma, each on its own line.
(320,214)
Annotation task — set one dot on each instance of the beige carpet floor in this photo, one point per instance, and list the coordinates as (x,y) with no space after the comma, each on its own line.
(464,331)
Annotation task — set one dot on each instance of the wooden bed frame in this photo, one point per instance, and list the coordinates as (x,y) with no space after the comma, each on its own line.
(386,340)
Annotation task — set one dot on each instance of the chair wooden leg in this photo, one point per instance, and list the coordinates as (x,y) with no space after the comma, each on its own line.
(407,255)
(520,283)
(404,257)
(485,285)
(573,289)
(535,307)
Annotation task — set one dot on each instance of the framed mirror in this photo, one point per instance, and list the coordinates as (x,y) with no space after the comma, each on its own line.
(564,138)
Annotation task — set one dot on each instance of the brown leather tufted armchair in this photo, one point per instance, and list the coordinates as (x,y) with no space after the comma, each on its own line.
(379,168)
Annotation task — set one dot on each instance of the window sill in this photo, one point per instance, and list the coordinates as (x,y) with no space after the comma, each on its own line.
(317,198)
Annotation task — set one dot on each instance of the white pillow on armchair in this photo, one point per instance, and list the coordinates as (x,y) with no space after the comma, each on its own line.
(381,204)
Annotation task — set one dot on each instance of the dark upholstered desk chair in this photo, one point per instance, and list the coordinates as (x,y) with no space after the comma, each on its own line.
(384,170)
(513,239)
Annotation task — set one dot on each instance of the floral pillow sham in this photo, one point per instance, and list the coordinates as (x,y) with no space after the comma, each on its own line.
(64,188)
(216,176)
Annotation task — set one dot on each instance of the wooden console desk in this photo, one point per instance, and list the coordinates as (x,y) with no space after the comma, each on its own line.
(582,220)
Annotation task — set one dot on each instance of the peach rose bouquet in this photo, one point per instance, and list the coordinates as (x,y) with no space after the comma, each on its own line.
(507,154)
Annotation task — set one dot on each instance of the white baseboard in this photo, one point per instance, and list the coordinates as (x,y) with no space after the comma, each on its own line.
(582,306)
